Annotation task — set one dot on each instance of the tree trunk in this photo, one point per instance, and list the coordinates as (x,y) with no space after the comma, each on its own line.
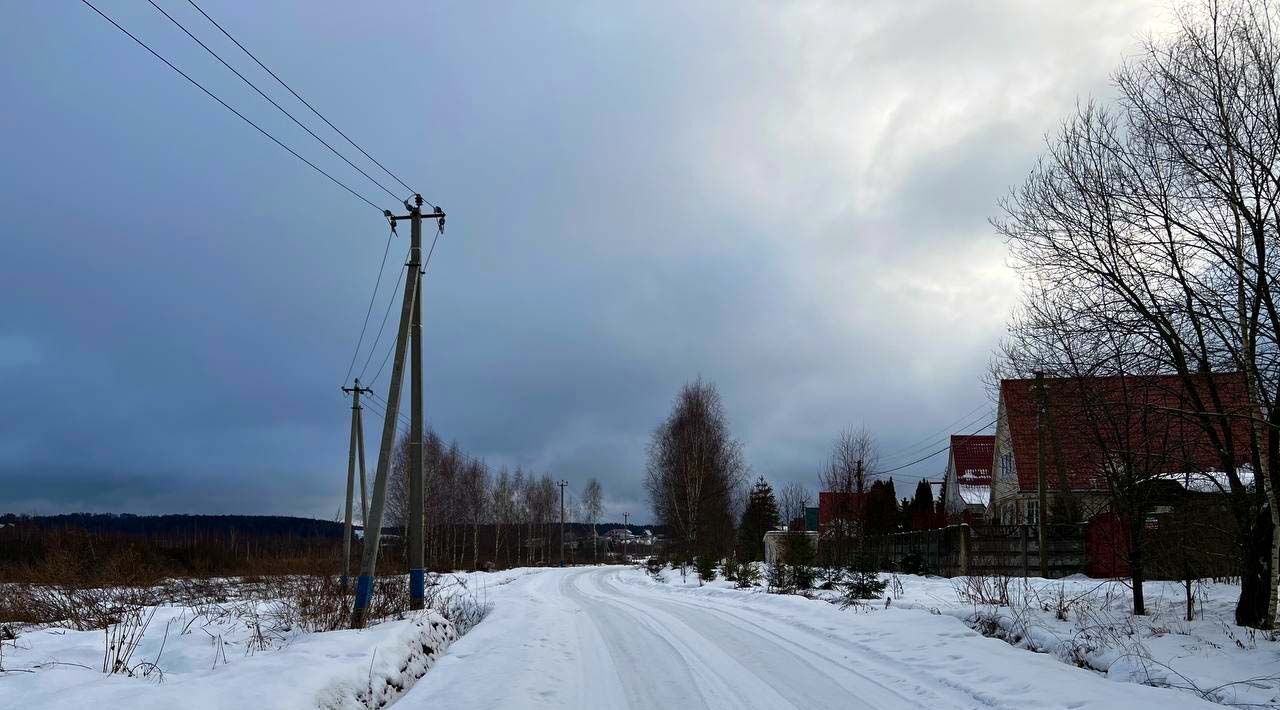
(1136,521)
(1255,587)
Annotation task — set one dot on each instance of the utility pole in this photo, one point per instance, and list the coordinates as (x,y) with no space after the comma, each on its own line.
(357,444)
(417,575)
(562,484)
(626,534)
(373,527)
(1042,490)
(364,487)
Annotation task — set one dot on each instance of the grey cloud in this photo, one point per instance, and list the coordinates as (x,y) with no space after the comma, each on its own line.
(788,200)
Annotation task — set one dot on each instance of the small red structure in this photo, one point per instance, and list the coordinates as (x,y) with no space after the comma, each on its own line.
(839,505)
(1106,547)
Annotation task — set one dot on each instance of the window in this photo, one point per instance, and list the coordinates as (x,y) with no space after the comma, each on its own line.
(1006,465)
(1033,512)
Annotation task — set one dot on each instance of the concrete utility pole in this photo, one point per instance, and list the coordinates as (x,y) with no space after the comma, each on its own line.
(626,534)
(357,445)
(417,575)
(1042,490)
(562,484)
(364,487)
(373,527)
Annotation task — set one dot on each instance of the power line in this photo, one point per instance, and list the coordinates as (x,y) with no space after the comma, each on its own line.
(386,314)
(227,106)
(432,250)
(931,439)
(304,101)
(369,310)
(380,411)
(271,100)
(384,363)
(913,451)
(387,357)
(929,456)
(382,402)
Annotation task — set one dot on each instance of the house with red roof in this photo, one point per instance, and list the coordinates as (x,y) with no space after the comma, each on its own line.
(966,489)
(1088,422)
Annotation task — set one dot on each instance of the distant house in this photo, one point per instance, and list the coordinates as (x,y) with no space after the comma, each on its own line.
(1085,421)
(623,535)
(967,482)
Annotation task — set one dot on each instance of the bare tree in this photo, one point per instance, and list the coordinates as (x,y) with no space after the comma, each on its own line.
(503,508)
(473,496)
(592,509)
(1148,236)
(792,501)
(854,459)
(694,472)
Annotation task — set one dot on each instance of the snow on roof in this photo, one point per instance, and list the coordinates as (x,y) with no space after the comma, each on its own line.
(974,493)
(973,454)
(1208,481)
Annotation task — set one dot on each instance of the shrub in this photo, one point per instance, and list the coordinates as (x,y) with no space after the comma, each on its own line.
(705,566)
(862,581)
(983,589)
(748,576)
(799,556)
(731,569)
(777,579)
(654,566)
(912,563)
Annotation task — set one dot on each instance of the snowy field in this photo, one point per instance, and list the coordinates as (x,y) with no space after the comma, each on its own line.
(233,651)
(613,637)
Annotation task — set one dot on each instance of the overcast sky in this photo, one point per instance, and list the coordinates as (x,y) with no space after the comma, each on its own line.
(789,200)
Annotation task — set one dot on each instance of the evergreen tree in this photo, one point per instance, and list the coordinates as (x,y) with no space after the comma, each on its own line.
(922,506)
(799,557)
(759,517)
(882,508)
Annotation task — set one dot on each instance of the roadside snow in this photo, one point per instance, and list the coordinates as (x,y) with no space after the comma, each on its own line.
(222,655)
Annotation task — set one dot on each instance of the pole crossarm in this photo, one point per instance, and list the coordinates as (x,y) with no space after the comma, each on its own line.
(437,214)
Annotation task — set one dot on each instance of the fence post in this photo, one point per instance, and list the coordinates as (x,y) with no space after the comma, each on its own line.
(964,549)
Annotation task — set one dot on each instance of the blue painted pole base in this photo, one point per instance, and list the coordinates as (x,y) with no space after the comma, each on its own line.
(364,595)
(417,588)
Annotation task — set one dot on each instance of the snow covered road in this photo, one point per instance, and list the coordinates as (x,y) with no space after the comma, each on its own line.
(610,637)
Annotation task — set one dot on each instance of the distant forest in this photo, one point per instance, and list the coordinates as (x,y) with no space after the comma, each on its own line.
(176,525)
(197,526)
(107,548)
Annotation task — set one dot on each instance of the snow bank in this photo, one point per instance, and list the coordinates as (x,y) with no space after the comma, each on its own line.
(335,670)
(394,666)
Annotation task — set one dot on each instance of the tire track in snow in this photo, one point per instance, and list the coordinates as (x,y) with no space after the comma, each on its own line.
(800,681)
(886,665)
(657,668)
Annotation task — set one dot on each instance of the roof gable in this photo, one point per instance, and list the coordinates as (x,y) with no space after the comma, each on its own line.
(972,456)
